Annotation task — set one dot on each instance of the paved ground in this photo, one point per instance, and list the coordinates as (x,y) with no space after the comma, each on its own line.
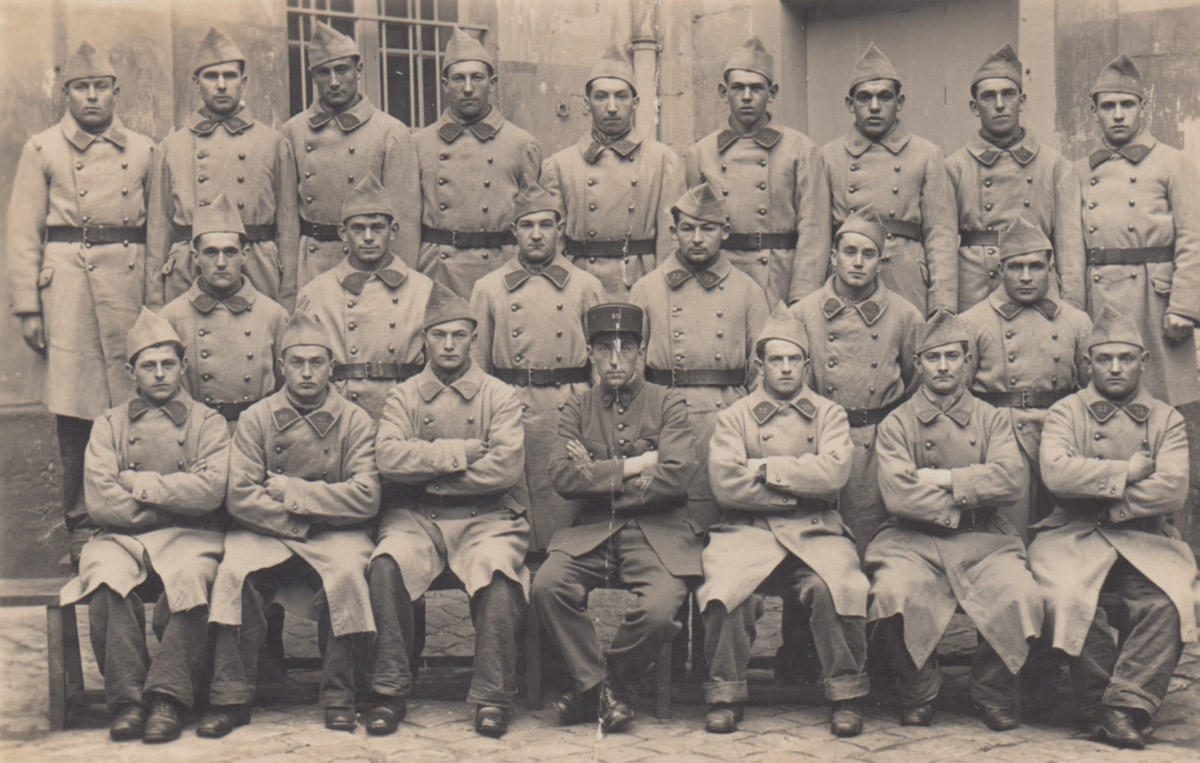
(439,729)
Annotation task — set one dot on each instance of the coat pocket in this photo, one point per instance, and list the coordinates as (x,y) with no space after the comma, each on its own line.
(45,276)
(1161,285)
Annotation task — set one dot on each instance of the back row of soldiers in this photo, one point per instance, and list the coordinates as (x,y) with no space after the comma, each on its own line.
(364,261)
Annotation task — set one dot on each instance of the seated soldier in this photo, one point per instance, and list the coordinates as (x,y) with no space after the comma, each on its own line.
(947,463)
(626,451)
(1116,461)
(777,461)
(154,474)
(303,488)
(451,437)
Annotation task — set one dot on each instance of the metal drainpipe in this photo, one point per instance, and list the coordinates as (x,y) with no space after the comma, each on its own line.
(645,47)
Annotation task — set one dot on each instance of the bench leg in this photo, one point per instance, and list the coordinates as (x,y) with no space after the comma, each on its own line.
(56,660)
(662,681)
(533,661)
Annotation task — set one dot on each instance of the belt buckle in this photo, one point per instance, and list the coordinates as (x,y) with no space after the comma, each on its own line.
(625,240)
(674,383)
(86,228)
(1025,397)
(856,416)
(529,376)
(758,242)
(454,239)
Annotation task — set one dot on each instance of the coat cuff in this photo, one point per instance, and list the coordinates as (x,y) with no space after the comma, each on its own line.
(146,488)
(963,490)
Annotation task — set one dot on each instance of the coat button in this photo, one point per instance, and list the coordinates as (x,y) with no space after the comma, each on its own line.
(558,333)
(246,378)
(249,356)
(1091,205)
(987,207)
(391,324)
(1093,181)
(487,184)
(278,448)
(204,353)
(987,183)
(442,207)
(1026,202)
(308,148)
(351,325)
(592,207)
(83,192)
(929,445)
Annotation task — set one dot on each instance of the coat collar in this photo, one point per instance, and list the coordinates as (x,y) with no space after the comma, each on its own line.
(175,409)
(1023,151)
(449,128)
(557,272)
(321,420)
(392,274)
(204,123)
(677,275)
(591,148)
(77,137)
(467,385)
(1134,151)
(237,303)
(625,395)
(763,407)
(927,410)
(1009,309)
(765,136)
(871,308)
(350,119)
(1103,409)
(895,140)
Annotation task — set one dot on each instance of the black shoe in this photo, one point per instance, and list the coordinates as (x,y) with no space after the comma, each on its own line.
(921,715)
(130,723)
(1116,727)
(221,719)
(340,718)
(615,711)
(999,718)
(847,720)
(385,715)
(165,722)
(576,706)
(723,718)
(491,721)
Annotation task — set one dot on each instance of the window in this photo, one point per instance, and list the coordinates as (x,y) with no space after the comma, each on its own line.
(401,42)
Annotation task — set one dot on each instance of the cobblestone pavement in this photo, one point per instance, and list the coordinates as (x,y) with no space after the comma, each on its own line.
(439,729)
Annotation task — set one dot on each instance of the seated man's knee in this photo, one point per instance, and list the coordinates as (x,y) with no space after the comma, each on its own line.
(815,595)
(383,571)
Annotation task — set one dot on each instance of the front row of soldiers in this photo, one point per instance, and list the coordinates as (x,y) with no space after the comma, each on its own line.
(882,468)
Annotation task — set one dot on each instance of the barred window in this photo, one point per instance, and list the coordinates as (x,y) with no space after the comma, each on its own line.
(401,43)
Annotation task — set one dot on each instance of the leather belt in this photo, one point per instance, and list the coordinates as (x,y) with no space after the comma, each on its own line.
(254,233)
(969,520)
(468,239)
(618,247)
(1024,398)
(96,234)
(1142,524)
(319,231)
(231,411)
(484,501)
(903,229)
(376,369)
(696,377)
(979,238)
(542,377)
(753,242)
(865,417)
(1134,256)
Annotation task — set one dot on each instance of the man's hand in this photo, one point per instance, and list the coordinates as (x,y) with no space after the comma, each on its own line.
(577,453)
(1141,466)
(635,465)
(475,450)
(940,478)
(1176,327)
(125,479)
(34,332)
(276,484)
(198,466)
(758,466)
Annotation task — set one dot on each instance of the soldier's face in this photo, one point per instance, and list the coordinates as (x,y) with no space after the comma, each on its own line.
(306,371)
(1119,115)
(156,372)
(91,100)
(997,103)
(699,240)
(537,236)
(783,367)
(337,80)
(221,256)
(876,106)
(369,237)
(220,86)
(1117,368)
(448,345)
(942,367)
(856,260)
(1026,277)
(611,103)
(748,95)
(468,85)
(617,358)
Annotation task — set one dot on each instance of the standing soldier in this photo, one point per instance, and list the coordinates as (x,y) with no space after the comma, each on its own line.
(232,331)
(772,180)
(626,451)
(1006,173)
(155,474)
(338,140)
(880,164)
(223,149)
(1116,460)
(452,436)
(530,315)
(1027,351)
(472,163)
(303,488)
(616,183)
(371,300)
(703,316)
(778,459)
(946,462)
(76,233)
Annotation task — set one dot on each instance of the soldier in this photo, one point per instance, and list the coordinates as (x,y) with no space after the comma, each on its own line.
(880,164)
(338,140)
(232,330)
(303,487)
(372,301)
(946,462)
(703,316)
(223,149)
(1116,460)
(452,435)
(777,460)
(530,315)
(616,183)
(76,229)
(1006,173)
(155,474)
(772,180)
(472,163)
(626,451)
(1027,351)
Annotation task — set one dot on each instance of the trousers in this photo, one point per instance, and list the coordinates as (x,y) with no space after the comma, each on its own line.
(990,684)
(73,435)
